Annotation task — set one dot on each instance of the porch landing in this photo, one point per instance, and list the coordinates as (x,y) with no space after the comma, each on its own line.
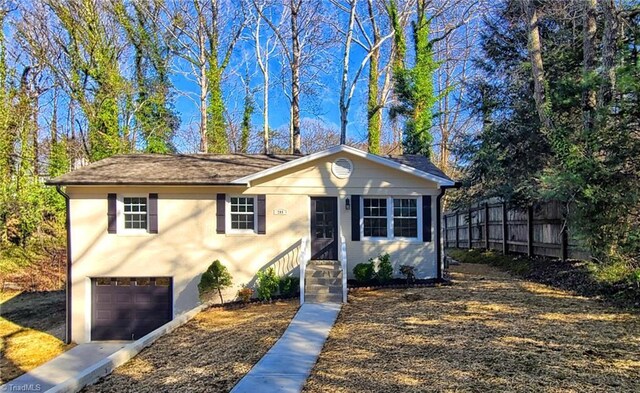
(288,364)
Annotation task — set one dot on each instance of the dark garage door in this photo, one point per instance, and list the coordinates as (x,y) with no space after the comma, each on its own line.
(129,308)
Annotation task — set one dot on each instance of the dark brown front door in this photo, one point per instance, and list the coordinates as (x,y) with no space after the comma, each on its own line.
(129,308)
(324,228)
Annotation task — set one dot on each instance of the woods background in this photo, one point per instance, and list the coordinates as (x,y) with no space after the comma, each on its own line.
(524,100)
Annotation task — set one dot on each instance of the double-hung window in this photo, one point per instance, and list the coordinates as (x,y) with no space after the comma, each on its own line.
(405,217)
(391,217)
(134,210)
(375,220)
(242,213)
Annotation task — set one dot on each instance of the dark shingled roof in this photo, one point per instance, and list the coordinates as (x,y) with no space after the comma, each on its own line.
(419,162)
(193,169)
(170,169)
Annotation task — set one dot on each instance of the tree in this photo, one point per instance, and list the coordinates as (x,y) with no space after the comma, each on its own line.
(215,278)
(197,40)
(347,87)
(153,114)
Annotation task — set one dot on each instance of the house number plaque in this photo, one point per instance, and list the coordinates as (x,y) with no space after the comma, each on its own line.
(280,212)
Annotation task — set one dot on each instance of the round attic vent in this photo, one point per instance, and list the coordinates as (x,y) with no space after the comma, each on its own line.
(342,168)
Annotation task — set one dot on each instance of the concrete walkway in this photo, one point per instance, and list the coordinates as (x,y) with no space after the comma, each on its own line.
(287,365)
(61,368)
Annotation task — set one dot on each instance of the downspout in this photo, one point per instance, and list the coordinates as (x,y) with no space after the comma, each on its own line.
(440,263)
(67,339)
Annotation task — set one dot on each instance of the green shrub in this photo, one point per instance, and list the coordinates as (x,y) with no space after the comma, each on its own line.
(215,278)
(364,272)
(385,269)
(245,294)
(289,286)
(267,284)
(409,273)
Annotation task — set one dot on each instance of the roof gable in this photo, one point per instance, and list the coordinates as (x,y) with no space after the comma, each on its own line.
(414,165)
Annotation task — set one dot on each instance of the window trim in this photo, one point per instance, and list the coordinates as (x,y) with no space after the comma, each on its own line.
(390,217)
(120,215)
(227,215)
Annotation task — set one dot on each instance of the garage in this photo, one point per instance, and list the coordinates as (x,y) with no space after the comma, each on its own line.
(127,308)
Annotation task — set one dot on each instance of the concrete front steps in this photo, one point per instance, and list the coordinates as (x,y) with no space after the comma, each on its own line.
(323,282)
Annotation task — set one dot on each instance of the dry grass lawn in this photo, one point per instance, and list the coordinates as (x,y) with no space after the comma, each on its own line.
(208,354)
(31,331)
(488,332)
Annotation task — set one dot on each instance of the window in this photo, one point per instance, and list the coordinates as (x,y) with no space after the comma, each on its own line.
(389,218)
(405,217)
(243,217)
(135,212)
(375,217)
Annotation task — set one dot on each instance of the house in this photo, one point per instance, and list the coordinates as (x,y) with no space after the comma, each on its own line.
(143,227)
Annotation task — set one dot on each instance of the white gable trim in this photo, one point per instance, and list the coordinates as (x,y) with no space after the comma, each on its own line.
(351,150)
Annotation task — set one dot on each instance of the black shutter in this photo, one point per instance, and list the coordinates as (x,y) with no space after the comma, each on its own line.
(221,200)
(426,218)
(262,214)
(355,217)
(112,214)
(153,213)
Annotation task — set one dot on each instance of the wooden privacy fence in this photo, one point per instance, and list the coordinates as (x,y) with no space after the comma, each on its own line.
(538,230)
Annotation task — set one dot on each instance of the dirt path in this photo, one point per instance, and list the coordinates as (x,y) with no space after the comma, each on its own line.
(488,332)
(208,354)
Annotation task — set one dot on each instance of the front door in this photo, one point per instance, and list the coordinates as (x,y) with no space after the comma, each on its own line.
(324,228)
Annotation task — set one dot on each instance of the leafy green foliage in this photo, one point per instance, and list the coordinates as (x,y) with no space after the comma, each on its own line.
(385,269)
(215,278)
(414,87)
(289,286)
(364,272)
(249,108)
(267,283)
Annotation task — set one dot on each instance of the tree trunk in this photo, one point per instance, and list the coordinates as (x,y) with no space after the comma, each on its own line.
(220,294)
(295,77)
(588,64)
(374,114)
(265,112)
(537,68)
(204,146)
(609,49)
(344,103)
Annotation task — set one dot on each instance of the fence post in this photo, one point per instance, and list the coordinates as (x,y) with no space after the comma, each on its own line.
(469,228)
(457,236)
(530,230)
(505,229)
(486,226)
(564,243)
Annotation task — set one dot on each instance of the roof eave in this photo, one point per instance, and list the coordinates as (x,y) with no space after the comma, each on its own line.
(102,183)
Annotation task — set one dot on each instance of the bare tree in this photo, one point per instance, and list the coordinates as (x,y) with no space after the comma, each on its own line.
(264,47)
(301,42)
(347,87)
(197,34)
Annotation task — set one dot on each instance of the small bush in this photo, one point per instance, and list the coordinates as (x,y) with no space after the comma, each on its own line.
(385,269)
(289,286)
(245,294)
(215,278)
(364,272)
(267,284)
(408,272)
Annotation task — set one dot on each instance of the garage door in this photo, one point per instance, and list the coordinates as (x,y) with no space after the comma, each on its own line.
(129,308)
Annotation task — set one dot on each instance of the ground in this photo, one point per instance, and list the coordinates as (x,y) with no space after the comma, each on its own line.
(31,330)
(487,332)
(208,354)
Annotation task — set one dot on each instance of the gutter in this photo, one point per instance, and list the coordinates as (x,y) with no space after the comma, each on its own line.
(68,281)
(439,259)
